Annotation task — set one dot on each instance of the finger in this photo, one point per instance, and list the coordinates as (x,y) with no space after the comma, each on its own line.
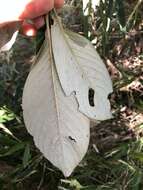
(37,8)
(28,29)
(39,22)
(58,3)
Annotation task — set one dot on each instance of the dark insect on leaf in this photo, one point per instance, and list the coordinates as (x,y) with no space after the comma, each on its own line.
(72,139)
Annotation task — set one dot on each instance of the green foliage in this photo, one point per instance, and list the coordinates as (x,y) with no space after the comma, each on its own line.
(112,16)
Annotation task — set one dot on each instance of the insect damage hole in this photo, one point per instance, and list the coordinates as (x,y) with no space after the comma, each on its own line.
(91,97)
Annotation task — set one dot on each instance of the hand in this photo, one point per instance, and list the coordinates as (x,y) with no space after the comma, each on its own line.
(17,10)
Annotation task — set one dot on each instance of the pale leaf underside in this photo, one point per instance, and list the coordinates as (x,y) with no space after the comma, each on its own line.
(80,69)
(60,131)
(56,97)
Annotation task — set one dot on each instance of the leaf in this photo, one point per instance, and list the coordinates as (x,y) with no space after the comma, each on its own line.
(26,156)
(86,4)
(121,13)
(6,140)
(7,131)
(73,183)
(81,72)
(6,115)
(13,149)
(60,131)
(8,34)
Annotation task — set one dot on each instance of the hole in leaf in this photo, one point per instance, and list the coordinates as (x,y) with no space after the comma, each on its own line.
(91,97)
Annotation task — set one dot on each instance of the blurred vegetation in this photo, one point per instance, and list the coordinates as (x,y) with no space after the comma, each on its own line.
(115,157)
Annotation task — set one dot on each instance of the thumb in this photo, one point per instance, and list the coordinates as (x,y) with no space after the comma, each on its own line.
(28,29)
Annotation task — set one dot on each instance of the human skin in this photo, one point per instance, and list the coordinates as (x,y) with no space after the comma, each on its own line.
(21,10)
